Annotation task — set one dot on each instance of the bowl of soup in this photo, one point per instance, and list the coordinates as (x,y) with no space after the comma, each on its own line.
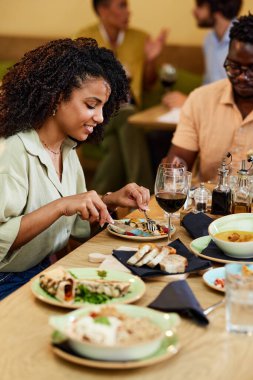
(233,234)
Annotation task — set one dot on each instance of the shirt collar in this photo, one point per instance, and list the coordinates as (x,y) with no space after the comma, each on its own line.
(227,96)
(105,36)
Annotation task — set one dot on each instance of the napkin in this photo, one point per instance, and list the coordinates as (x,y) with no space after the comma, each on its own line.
(194,263)
(178,297)
(215,252)
(196,224)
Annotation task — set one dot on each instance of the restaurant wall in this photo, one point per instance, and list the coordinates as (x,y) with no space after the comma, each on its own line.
(62,18)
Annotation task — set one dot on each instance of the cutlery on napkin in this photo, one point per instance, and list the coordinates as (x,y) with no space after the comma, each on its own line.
(178,297)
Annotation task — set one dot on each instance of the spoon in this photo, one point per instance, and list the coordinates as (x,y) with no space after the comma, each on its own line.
(214,306)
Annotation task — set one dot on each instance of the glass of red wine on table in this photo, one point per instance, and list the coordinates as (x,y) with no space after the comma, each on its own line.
(168,76)
(171,189)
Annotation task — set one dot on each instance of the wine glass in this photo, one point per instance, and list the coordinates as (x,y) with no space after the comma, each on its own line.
(171,188)
(168,76)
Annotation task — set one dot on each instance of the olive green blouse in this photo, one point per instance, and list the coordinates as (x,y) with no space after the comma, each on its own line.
(28,180)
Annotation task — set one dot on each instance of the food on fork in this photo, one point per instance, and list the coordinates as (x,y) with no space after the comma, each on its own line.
(59,283)
(152,255)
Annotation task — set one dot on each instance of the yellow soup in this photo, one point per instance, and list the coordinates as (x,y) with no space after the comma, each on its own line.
(235,236)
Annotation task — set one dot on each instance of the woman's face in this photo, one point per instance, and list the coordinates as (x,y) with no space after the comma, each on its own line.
(80,114)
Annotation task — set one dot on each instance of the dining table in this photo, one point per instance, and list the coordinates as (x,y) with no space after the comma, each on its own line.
(205,353)
(155,118)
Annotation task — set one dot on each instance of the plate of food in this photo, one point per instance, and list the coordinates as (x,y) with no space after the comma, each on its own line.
(136,229)
(76,287)
(215,278)
(109,336)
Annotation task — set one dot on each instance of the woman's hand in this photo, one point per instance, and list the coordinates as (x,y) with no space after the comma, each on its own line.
(88,205)
(131,195)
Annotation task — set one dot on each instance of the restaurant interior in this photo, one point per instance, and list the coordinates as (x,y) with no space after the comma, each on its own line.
(189,316)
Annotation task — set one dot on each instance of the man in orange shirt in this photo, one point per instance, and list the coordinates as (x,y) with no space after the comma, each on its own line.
(218,118)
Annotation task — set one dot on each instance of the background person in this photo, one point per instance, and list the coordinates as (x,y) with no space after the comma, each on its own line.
(125,148)
(218,15)
(218,118)
(59,93)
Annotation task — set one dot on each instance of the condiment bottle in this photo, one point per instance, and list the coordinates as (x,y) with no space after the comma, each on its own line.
(241,201)
(201,196)
(221,196)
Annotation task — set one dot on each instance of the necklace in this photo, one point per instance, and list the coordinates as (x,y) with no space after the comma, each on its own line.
(50,150)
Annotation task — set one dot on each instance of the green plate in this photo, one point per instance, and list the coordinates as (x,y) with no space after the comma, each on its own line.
(136,290)
(198,245)
(169,345)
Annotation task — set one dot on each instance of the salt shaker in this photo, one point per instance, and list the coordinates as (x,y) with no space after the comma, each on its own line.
(201,197)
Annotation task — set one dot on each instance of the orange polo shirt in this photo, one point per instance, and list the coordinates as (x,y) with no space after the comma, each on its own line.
(211,124)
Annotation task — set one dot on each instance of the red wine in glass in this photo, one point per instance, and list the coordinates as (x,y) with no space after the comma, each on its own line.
(170,202)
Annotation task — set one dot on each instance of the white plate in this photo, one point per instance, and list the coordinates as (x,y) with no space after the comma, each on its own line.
(211,275)
(137,287)
(139,238)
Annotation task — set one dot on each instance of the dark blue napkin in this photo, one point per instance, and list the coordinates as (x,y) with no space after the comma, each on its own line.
(196,224)
(178,297)
(194,263)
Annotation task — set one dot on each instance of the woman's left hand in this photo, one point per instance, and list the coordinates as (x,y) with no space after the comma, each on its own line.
(131,195)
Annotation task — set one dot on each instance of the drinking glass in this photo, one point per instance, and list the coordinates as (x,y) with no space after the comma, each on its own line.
(168,76)
(171,188)
(239,298)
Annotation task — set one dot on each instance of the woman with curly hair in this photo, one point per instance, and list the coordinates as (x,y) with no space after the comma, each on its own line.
(58,95)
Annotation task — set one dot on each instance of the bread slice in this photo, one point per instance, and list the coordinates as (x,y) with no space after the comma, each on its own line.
(148,257)
(143,249)
(174,264)
(163,252)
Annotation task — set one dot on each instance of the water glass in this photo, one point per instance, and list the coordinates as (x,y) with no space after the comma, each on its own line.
(239,298)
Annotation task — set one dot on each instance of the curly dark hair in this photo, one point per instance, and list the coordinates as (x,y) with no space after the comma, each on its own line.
(242,29)
(33,87)
(228,8)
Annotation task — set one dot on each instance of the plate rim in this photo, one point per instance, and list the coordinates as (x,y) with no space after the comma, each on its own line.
(138,238)
(224,261)
(55,302)
(208,283)
(168,353)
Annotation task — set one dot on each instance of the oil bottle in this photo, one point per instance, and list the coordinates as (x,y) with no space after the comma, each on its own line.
(221,195)
(241,200)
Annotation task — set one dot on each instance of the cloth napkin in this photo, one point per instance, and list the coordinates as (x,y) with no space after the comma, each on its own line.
(196,224)
(194,263)
(178,297)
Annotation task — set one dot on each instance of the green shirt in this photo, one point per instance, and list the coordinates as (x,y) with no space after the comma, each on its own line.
(28,181)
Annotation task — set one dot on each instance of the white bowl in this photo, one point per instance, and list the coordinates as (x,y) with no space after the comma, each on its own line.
(237,222)
(125,352)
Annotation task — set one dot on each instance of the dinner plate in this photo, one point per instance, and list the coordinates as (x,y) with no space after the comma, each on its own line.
(137,288)
(211,275)
(168,349)
(199,244)
(139,238)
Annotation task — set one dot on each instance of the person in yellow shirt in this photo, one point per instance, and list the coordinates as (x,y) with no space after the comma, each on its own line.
(137,52)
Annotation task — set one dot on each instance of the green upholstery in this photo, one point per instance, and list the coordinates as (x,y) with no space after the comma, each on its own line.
(4,65)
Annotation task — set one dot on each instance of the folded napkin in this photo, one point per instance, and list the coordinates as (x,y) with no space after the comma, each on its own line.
(178,297)
(196,224)
(194,263)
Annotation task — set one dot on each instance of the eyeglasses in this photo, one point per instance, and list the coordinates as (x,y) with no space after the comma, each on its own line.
(234,70)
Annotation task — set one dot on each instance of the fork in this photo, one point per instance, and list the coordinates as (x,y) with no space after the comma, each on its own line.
(151,224)
(214,306)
